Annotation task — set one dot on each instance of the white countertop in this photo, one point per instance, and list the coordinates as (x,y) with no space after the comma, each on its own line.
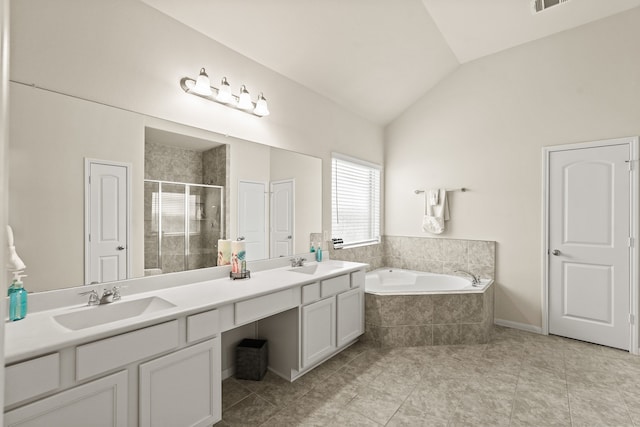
(39,334)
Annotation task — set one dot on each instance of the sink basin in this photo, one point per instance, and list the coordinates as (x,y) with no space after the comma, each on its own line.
(306,269)
(102,314)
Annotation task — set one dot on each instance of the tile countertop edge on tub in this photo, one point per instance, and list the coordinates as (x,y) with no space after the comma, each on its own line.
(39,333)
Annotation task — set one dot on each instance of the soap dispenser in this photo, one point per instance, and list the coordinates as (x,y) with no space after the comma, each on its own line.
(319,252)
(17,298)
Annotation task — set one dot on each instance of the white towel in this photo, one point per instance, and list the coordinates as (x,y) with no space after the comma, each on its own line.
(436,211)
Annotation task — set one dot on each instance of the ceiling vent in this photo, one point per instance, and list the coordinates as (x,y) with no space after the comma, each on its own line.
(540,5)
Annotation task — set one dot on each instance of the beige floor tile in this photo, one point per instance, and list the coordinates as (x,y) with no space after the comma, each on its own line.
(233,392)
(375,405)
(517,379)
(250,411)
(409,416)
(349,418)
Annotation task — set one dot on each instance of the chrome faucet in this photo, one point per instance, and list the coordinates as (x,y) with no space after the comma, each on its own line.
(297,261)
(475,280)
(108,296)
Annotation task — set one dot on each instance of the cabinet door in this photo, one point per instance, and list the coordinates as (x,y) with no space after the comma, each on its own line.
(318,330)
(182,388)
(350,316)
(100,403)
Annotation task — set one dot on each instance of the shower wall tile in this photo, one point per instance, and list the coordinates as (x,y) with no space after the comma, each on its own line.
(168,163)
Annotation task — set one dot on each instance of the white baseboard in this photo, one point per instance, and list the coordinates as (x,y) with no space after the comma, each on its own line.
(226,373)
(517,325)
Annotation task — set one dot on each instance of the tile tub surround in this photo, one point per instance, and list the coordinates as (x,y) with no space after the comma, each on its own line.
(518,378)
(424,320)
(434,255)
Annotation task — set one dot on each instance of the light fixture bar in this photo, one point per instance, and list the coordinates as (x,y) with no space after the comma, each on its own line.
(224,96)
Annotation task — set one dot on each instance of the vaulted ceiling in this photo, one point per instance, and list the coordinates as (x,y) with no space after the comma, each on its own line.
(377,57)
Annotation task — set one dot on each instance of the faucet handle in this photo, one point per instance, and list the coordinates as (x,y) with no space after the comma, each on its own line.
(94,299)
(116,292)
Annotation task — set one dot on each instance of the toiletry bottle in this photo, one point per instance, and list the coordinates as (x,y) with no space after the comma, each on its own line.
(17,298)
(313,249)
(319,253)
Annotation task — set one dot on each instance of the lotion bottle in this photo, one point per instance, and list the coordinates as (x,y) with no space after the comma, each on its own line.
(17,298)
(319,252)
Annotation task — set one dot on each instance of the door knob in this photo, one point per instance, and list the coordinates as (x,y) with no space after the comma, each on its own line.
(120,248)
(555,252)
(288,237)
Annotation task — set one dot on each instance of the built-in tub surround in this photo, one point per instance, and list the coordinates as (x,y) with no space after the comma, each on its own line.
(424,316)
(434,255)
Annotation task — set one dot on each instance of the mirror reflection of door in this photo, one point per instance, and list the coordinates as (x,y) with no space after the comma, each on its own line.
(282,218)
(107,190)
(252,218)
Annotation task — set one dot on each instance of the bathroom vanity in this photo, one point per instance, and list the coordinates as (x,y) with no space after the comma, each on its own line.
(153,358)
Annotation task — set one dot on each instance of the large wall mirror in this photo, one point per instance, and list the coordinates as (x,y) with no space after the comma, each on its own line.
(186,188)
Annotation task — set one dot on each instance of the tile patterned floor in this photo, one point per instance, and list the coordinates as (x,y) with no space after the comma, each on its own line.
(518,379)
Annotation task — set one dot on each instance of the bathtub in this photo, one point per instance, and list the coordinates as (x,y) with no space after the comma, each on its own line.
(406,308)
(394,281)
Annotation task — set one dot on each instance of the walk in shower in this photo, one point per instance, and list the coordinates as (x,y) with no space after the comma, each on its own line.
(182,225)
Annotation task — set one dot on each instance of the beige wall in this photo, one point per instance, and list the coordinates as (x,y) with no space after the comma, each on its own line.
(127,54)
(50,137)
(484,128)
(4,136)
(306,173)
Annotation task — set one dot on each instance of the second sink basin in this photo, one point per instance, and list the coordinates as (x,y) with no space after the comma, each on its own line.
(306,269)
(102,314)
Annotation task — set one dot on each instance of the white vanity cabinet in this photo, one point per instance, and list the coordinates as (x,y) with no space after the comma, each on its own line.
(318,331)
(182,388)
(167,374)
(330,316)
(99,403)
(350,320)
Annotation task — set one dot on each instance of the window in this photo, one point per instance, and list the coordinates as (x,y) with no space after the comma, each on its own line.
(355,200)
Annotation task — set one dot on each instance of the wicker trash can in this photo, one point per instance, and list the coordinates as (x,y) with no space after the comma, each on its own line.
(251,359)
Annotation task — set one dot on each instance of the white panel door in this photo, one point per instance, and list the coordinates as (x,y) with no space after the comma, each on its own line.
(282,218)
(252,218)
(589,230)
(108,216)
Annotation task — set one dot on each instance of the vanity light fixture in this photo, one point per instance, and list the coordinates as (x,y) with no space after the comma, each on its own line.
(222,95)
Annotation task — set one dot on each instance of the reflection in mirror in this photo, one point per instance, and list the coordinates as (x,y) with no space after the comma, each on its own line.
(52,134)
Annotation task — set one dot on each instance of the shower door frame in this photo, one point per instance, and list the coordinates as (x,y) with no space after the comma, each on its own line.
(186,216)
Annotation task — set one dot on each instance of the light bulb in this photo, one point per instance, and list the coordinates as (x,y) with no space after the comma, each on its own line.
(245,99)
(224,93)
(203,86)
(261,107)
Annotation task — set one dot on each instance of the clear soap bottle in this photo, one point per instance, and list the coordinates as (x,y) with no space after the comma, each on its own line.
(17,298)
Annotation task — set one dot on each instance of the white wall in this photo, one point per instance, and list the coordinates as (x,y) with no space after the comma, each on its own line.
(127,54)
(484,128)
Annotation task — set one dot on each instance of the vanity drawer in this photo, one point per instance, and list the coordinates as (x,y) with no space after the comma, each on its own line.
(357,279)
(310,293)
(334,285)
(203,325)
(110,353)
(266,305)
(31,378)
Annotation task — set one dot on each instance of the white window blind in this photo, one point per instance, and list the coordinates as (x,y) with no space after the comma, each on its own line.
(355,200)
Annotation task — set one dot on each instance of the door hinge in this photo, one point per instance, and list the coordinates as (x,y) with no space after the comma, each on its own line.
(89,236)
(631,242)
(632,319)
(89,179)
